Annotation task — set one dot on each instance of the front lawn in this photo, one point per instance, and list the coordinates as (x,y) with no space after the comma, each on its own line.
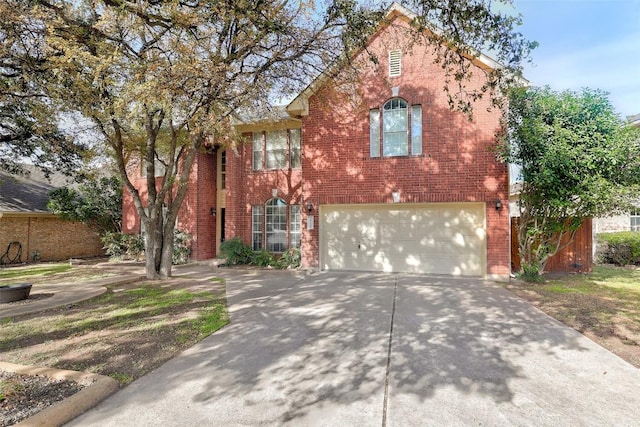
(49,272)
(604,305)
(125,333)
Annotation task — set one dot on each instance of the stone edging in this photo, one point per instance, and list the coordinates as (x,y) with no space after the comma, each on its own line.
(97,388)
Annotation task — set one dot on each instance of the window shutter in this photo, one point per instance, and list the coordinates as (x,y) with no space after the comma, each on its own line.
(395,63)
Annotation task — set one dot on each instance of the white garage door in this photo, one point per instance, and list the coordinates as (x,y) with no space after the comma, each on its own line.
(438,238)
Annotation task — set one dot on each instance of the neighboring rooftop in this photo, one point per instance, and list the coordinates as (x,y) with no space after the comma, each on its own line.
(634,120)
(28,193)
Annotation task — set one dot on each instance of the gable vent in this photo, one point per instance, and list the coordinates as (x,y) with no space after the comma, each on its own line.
(395,63)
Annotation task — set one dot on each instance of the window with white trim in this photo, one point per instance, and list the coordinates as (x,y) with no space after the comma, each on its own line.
(395,119)
(223,169)
(395,63)
(294,148)
(416,129)
(256,227)
(258,146)
(275,226)
(635,219)
(294,226)
(276,149)
(374,133)
(398,128)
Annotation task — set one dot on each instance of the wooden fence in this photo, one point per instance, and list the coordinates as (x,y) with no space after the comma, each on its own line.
(577,257)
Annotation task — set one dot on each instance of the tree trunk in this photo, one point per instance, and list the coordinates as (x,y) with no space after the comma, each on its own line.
(154,242)
(167,253)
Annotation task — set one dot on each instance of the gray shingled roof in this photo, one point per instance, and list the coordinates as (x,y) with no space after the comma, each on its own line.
(28,193)
(274,114)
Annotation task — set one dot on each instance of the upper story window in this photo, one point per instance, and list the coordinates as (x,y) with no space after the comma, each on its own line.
(396,137)
(276,149)
(223,169)
(395,120)
(395,63)
(294,147)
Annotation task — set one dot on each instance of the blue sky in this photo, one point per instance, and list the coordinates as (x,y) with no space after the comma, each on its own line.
(586,43)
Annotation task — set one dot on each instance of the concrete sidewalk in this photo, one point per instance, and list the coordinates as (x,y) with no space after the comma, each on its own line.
(367,349)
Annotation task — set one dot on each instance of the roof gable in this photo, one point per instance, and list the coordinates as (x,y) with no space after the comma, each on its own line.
(299,106)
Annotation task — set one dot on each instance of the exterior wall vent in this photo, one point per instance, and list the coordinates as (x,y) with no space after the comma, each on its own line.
(395,63)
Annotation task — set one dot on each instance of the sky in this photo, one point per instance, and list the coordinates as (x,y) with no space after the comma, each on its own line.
(586,43)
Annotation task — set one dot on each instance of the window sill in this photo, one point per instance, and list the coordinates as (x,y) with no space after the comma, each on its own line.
(404,156)
(274,170)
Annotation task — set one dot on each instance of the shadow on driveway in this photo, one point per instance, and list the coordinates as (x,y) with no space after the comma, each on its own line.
(317,350)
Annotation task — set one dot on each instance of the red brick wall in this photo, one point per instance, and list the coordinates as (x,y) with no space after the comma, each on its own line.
(456,165)
(53,238)
(195,213)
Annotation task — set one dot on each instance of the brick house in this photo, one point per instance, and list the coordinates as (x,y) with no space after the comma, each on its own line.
(26,226)
(382,176)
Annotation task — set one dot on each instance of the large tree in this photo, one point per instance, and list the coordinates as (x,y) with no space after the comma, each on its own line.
(161,79)
(29,130)
(577,159)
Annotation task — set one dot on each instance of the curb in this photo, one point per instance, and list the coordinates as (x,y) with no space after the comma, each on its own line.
(98,387)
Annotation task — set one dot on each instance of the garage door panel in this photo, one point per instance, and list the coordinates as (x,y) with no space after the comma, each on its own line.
(435,239)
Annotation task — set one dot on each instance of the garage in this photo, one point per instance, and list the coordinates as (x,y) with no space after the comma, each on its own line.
(439,238)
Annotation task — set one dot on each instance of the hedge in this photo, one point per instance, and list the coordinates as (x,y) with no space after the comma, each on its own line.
(622,248)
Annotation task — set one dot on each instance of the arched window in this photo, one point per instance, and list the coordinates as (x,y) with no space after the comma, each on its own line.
(395,128)
(276,225)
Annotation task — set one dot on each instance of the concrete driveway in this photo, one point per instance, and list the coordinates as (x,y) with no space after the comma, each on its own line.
(337,349)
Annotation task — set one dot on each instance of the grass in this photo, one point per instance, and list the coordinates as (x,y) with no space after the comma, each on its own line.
(9,388)
(50,273)
(35,270)
(124,333)
(604,305)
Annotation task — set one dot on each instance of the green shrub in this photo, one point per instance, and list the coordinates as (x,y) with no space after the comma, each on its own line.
(531,273)
(622,248)
(134,244)
(113,244)
(121,245)
(290,259)
(181,247)
(264,258)
(236,252)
